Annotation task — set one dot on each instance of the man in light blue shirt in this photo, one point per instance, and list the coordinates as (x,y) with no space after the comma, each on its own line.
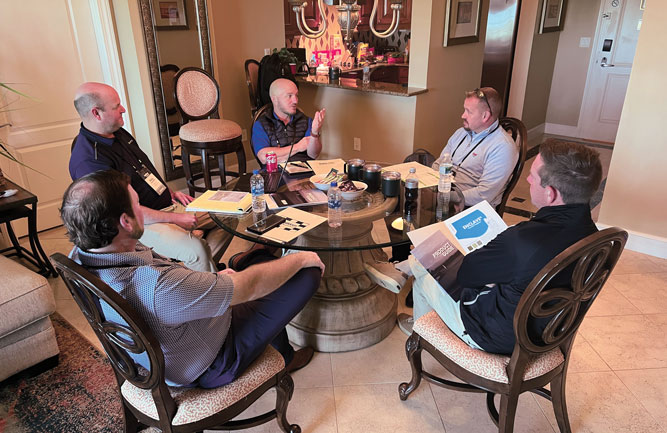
(483,154)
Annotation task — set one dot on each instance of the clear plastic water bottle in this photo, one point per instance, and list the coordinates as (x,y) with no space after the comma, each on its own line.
(257,191)
(445,160)
(445,182)
(335,201)
(411,198)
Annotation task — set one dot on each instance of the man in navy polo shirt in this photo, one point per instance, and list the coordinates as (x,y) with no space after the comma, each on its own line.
(278,130)
(103,144)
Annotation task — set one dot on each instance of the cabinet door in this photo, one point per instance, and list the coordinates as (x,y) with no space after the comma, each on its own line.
(311,13)
(384,14)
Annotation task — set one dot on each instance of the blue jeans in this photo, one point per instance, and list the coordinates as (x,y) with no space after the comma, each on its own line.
(256,324)
(428,295)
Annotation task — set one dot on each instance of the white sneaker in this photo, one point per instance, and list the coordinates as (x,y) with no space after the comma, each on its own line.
(405,323)
(386,275)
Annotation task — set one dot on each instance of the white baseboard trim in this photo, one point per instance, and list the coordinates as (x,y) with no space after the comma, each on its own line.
(655,246)
(535,132)
(565,130)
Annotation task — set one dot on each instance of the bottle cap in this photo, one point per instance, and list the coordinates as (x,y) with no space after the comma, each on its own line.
(334,184)
(255,171)
(413,170)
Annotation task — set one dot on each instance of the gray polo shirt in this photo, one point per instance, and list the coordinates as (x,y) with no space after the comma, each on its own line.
(188,311)
(483,163)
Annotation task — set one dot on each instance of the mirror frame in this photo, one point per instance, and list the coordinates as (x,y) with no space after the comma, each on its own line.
(146,9)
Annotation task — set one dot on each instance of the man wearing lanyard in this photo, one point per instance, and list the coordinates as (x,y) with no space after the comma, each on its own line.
(483,154)
(103,144)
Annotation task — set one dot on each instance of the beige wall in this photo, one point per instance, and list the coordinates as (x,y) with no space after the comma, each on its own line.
(569,75)
(538,80)
(447,72)
(181,47)
(634,196)
(384,123)
(240,32)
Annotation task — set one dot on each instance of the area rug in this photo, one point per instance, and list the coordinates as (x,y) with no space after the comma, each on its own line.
(78,395)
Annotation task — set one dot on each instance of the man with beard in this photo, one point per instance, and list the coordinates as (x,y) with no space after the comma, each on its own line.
(211,326)
(276,131)
(483,153)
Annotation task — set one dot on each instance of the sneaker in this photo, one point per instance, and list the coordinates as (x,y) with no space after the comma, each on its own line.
(405,323)
(386,275)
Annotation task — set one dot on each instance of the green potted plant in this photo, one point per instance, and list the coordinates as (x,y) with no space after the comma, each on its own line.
(287,58)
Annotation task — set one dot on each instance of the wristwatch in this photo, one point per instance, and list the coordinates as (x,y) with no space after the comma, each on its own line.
(316,135)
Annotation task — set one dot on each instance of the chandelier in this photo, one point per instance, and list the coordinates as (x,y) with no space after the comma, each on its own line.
(348,18)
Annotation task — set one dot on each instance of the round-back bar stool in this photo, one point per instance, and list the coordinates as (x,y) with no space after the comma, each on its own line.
(204,134)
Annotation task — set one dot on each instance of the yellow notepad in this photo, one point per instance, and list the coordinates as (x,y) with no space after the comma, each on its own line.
(221,201)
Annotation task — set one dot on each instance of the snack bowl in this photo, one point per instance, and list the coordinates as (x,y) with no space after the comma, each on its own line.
(351,195)
(317,181)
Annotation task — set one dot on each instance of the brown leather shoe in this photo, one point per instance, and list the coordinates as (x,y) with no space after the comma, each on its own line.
(301,358)
(238,258)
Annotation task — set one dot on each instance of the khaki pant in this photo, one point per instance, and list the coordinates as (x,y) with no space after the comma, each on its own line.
(176,243)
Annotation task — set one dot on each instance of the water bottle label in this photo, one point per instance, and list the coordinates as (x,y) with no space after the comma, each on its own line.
(335,204)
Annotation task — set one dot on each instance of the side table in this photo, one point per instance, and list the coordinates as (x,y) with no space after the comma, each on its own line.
(23,204)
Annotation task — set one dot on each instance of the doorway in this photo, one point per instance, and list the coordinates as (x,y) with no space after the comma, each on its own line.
(619,23)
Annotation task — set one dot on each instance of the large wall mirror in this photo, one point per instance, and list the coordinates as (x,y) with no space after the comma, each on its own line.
(176,34)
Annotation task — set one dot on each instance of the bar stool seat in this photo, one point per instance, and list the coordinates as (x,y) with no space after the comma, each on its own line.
(208,130)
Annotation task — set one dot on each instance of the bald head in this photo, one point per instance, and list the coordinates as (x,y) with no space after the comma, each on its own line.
(284,96)
(99,107)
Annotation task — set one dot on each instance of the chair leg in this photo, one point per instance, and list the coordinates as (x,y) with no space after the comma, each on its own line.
(508,404)
(205,167)
(559,403)
(413,351)
(284,391)
(240,155)
(131,424)
(222,169)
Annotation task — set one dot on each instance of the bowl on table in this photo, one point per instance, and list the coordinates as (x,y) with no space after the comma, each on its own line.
(351,195)
(317,181)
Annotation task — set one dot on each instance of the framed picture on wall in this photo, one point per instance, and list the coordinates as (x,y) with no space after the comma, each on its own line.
(462,21)
(170,15)
(553,15)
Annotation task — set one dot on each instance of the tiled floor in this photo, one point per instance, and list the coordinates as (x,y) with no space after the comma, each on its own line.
(617,378)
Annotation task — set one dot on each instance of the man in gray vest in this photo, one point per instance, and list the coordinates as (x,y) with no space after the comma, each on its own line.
(277,131)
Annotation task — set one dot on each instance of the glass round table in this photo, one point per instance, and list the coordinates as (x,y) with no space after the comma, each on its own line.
(349,311)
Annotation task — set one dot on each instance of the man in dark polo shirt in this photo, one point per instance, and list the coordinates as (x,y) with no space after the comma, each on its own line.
(103,144)
(277,130)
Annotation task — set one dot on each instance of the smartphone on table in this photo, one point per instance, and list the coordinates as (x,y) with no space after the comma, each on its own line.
(263,226)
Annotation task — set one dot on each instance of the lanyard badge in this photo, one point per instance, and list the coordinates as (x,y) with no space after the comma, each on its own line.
(152,180)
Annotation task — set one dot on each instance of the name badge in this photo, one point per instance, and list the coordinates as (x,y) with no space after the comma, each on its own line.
(152,181)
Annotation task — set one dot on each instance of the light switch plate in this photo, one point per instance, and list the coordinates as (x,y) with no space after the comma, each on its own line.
(584,42)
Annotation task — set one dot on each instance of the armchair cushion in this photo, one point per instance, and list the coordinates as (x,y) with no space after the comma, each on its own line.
(487,365)
(25,297)
(195,404)
(208,130)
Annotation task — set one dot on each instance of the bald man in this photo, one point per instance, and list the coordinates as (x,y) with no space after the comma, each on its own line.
(103,144)
(278,130)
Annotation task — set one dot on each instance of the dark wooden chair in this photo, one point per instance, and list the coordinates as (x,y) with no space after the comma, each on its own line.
(537,360)
(204,134)
(146,398)
(252,79)
(520,136)
(422,156)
